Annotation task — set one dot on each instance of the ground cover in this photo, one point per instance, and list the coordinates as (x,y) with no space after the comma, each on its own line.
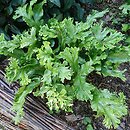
(114,19)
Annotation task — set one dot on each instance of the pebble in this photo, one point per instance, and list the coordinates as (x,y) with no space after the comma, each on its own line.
(120,128)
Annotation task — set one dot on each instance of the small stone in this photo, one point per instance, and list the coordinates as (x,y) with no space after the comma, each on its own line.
(73,118)
(120,128)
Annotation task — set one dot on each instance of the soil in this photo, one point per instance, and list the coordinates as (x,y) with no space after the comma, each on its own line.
(83,109)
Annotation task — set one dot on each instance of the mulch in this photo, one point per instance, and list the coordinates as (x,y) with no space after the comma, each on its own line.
(37,116)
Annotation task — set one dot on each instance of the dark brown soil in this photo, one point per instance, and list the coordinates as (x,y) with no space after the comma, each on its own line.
(114,85)
(83,109)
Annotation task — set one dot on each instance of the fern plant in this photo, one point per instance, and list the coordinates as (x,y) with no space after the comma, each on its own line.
(8,25)
(126,26)
(53,61)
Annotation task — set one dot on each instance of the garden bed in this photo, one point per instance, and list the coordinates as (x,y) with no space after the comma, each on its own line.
(37,114)
(53,62)
(36,117)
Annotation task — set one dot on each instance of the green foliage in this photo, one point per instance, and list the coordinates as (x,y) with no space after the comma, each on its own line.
(57,97)
(83,90)
(59,9)
(126,26)
(107,104)
(7,24)
(67,8)
(54,60)
(56,2)
(20,98)
(87,122)
(127,1)
(31,13)
(125,9)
